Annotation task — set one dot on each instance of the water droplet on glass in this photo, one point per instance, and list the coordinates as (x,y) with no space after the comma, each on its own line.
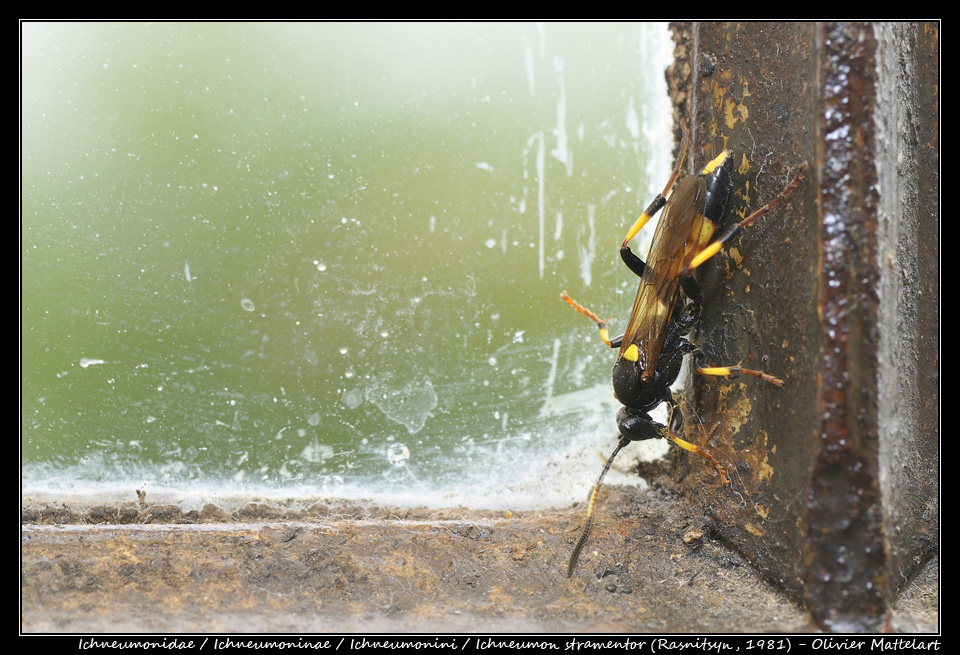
(409,405)
(398,454)
(352,398)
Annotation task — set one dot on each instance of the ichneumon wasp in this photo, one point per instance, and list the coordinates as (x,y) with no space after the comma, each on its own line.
(652,348)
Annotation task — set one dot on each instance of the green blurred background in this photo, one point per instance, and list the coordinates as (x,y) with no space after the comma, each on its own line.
(326,258)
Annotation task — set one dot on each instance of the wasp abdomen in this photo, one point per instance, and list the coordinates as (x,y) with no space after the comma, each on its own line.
(719,185)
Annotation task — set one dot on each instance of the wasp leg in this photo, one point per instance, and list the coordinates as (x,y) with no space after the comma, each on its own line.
(676,425)
(601,324)
(727,371)
(660,200)
(633,262)
(686,322)
(737,229)
(635,426)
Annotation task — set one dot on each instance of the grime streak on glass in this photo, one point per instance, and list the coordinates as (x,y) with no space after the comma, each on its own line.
(541,219)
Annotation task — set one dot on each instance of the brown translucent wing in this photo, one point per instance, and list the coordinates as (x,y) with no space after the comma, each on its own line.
(674,242)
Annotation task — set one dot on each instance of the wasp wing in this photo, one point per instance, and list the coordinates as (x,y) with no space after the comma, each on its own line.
(674,244)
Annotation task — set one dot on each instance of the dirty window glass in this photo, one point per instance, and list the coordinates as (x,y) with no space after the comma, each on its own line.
(327,258)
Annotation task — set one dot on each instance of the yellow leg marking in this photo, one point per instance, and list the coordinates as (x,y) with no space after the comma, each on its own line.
(725,371)
(657,204)
(717,245)
(643,220)
(705,254)
(694,448)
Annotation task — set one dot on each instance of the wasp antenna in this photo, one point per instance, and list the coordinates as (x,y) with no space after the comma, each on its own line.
(585,533)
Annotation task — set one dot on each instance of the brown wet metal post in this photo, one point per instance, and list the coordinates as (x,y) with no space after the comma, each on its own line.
(836,291)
